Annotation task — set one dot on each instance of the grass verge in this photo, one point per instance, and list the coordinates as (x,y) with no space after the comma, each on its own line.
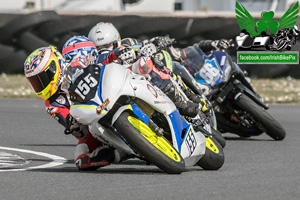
(284,90)
(15,86)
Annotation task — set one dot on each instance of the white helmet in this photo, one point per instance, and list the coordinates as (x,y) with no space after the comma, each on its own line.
(104,34)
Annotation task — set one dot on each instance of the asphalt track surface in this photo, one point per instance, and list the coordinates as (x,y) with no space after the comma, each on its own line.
(255,168)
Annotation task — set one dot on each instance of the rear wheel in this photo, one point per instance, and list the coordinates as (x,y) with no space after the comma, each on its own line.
(144,141)
(264,120)
(214,158)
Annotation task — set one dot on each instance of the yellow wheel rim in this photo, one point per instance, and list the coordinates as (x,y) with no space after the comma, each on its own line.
(211,145)
(159,142)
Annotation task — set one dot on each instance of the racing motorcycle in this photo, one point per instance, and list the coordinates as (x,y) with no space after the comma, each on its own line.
(126,112)
(238,108)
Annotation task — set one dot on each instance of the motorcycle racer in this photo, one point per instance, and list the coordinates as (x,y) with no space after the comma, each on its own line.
(108,43)
(43,69)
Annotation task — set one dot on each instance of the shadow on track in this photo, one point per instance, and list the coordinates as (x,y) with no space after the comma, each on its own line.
(237,138)
(49,145)
(127,167)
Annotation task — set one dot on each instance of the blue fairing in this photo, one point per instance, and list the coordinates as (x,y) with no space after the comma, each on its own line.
(218,55)
(140,114)
(178,126)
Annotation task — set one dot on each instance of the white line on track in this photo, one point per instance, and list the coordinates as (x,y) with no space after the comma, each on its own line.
(57,160)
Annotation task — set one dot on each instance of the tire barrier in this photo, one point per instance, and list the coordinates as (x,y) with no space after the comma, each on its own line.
(20,34)
(21,42)
(21,23)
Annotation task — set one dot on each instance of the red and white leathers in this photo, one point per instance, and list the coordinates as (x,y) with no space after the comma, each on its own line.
(145,66)
(90,152)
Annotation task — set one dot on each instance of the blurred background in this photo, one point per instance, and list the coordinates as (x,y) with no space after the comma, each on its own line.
(26,25)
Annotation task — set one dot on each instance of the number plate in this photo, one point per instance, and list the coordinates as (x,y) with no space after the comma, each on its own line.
(210,72)
(191,142)
(86,84)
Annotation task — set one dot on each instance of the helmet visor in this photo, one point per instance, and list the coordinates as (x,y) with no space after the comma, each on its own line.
(40,81)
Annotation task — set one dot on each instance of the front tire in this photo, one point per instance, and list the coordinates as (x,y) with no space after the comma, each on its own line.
(214,158)
(143,140)
(218,136)
(262,117)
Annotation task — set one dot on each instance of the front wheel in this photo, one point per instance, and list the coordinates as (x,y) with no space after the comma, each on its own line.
(219,137)
(265,121)
(143,140)
(214,158)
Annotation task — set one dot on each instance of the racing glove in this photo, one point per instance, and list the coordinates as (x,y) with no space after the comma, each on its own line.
(147,50)
(162,42)
(127,55)
(221,44)
(75,128)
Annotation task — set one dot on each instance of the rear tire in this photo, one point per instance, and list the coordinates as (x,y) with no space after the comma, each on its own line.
(262,117)
(214,158)
(163,155)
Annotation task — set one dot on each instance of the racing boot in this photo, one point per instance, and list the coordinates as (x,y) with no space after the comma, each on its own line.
(204,106)
(101,157)
(186,108)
